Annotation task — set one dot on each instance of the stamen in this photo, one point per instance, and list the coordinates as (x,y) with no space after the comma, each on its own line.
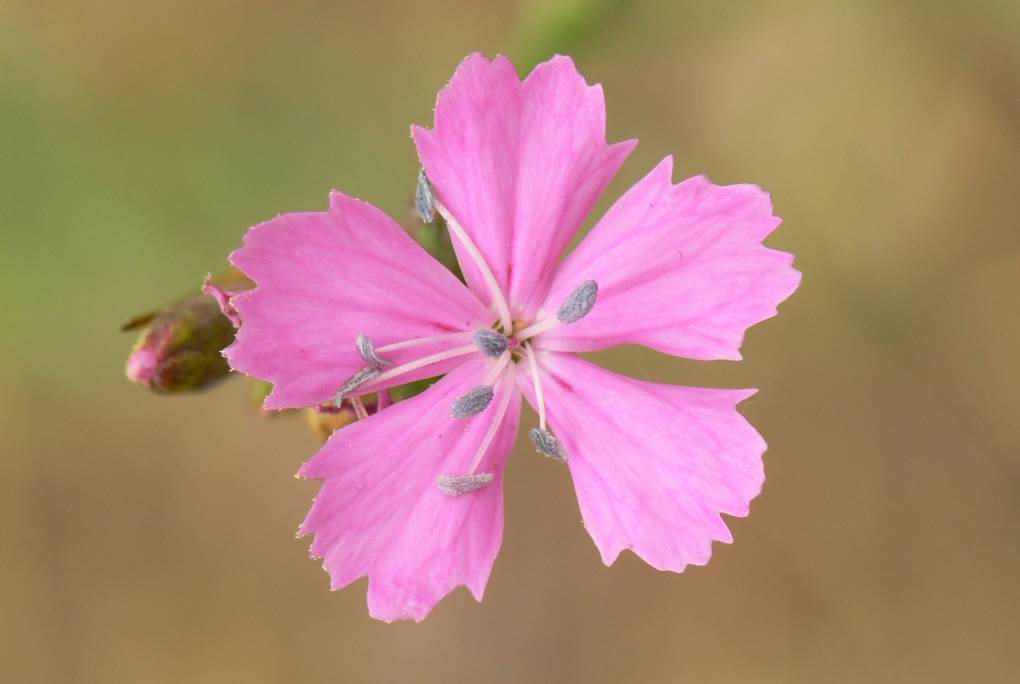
(546,443)
(424,361)
(533,365)
(473,402)
(537,328)
(359,407)
(578,303)
(491,342)
(575,307)
(490,434)
(497,368)
(363,376)
(478,399)
(458,485)
(446,337)
(367,351)
(424,200)
(497,294)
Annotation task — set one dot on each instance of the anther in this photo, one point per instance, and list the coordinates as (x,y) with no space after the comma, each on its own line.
(424,200)
(577,305)
(546,443)
(473,402)
(363,376)
(491,342)
(458,485)
(367,351)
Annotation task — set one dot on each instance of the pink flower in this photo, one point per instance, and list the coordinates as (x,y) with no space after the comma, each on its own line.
(412,496)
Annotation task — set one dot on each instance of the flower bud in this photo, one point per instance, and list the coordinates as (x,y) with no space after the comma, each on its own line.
(179,349)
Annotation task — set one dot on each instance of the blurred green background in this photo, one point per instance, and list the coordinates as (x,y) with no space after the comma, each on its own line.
(150,539)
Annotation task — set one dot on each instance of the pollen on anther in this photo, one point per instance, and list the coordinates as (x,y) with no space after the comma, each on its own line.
(472,402)
(366,349)
(357,380)
(458,485)
(424,201)
(546,443)
(578,303)
(491,342)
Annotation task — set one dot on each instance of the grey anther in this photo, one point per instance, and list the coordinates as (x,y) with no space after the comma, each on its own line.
(367,351)
(458,485)
(357,380)
(472,402)
(491,342)
(546,443)
(424,201)
(577,305)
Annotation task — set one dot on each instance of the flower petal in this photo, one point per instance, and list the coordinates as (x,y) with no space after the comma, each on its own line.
(680,268)
(323,278)
(653,465)
(519,165)
(379,512)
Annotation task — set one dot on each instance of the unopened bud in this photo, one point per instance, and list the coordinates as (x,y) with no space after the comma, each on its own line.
(179,349)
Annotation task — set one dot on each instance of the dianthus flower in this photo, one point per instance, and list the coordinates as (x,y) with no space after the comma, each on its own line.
(347,304)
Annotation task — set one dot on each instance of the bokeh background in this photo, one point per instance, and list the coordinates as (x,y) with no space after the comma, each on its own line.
(150,539)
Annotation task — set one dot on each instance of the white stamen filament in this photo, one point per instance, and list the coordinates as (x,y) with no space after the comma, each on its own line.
(497,421)
(448,337)
(537,328)
(576,306)
(424,361)
(533,365)
(359,407)
(497,294)
(497,368)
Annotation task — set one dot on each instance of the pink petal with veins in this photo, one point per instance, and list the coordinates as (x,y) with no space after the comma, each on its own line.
(380,514)
(680,269)
(653,465)
(519,165)
(322,278)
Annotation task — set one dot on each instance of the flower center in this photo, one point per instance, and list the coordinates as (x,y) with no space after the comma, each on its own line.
(507,341)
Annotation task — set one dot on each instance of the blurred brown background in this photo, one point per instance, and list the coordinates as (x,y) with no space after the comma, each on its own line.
(150,539)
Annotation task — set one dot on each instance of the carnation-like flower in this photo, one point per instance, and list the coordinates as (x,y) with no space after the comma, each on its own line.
(347,304)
